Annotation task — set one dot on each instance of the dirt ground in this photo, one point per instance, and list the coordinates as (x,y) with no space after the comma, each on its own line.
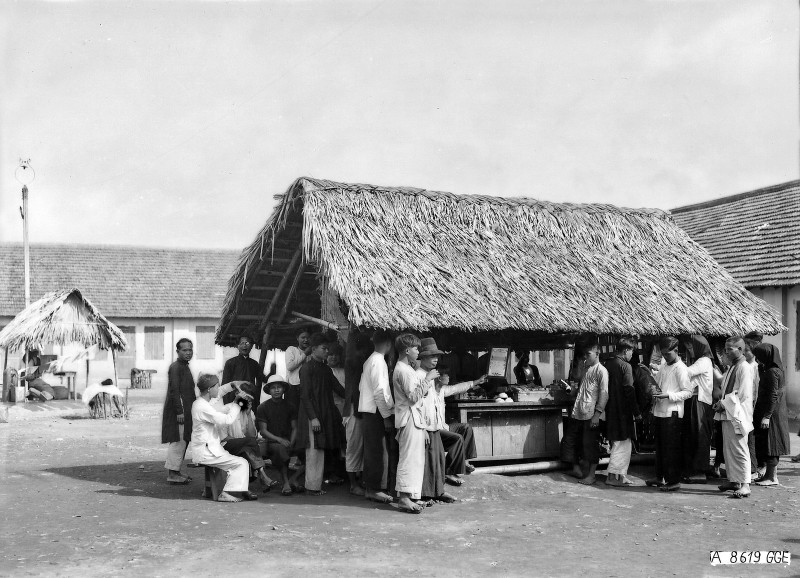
(89,497)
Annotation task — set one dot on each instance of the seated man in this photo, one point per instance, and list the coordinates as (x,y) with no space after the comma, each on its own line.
(457,438)
(277,424)
(241,437)
(206,447)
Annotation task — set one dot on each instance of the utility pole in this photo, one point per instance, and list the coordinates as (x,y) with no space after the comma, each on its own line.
(25,175)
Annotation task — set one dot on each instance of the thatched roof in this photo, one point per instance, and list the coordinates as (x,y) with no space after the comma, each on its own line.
(407,258)
(60,318)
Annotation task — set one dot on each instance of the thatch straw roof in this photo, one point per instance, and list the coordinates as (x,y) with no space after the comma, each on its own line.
(60,318)
(407,258)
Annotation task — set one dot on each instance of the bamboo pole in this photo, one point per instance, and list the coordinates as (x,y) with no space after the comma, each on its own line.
(322,322)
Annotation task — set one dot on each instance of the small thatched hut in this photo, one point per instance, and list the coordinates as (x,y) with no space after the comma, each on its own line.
(487,268)
(61,317)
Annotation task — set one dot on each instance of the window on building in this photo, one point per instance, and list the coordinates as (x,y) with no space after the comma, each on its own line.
(204,346)
(154,343)
(544,357)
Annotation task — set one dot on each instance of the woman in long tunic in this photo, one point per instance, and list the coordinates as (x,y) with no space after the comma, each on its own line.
(319,423)
(770,417)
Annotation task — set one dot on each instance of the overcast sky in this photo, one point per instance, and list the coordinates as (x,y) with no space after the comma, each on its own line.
(175,123)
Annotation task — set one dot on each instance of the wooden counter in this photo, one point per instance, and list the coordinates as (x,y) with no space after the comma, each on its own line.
(509,431)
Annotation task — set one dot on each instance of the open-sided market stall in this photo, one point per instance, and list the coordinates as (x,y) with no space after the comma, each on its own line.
(484,271)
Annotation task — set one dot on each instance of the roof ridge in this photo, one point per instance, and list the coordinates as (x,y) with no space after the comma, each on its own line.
(119,246)
(737,197)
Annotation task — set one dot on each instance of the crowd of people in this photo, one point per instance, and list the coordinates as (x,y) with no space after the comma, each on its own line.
(741,411)
(384,432)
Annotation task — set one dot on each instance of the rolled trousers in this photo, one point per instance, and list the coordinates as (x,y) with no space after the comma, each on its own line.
(465,431)
(354,456)
(315,463)
(620,458)
(246,448)
(411,465)
(668,448)
(454,446)
(380,452)
(737,454)
(237,468)
(176,451)
(698,429)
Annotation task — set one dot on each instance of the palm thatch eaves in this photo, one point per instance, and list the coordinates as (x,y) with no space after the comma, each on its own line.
(407,258)
(60,318)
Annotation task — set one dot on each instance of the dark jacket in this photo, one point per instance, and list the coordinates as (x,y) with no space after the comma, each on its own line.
(317,386)
(180,397)
(622,406)
(771,403)
(241,368)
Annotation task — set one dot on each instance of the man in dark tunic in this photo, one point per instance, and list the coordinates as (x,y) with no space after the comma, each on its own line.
(319,423)
(621,410)
(176,423)
(243,368)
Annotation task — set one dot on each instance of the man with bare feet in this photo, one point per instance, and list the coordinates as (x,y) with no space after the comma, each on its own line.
(580,445)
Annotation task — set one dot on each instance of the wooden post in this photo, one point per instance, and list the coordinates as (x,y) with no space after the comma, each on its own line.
(265,343)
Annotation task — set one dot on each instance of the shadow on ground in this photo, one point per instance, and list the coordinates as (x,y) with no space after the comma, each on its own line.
(149,481)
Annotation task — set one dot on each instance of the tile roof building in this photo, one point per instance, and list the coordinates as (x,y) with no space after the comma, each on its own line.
(756,237)
(155,295)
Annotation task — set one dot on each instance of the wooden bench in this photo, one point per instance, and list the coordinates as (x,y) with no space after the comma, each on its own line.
(215,482)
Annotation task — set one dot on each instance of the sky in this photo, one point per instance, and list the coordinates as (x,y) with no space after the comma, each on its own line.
(174,124)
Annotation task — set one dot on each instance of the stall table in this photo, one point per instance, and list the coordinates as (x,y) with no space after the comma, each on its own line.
(510,431)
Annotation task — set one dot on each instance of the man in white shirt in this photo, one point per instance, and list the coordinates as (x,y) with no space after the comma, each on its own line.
(295,357)
(675,387)
(206,447)
(241,437)
(376,407)
(409,419)
(736,418)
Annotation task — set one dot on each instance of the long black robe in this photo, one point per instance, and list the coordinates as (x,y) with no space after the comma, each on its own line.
(180,397)
(771,403)
(621,406)
(317,386)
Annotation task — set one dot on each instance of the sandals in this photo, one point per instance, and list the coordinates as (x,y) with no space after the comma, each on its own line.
(182,482)
(286,492)
(740,494)
(727,487)
(453,480)
(407,510)
(316,492)
(446,498)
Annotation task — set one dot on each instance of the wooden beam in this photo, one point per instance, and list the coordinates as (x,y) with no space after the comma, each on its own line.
(295,263)
(267,273)
(320,322)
